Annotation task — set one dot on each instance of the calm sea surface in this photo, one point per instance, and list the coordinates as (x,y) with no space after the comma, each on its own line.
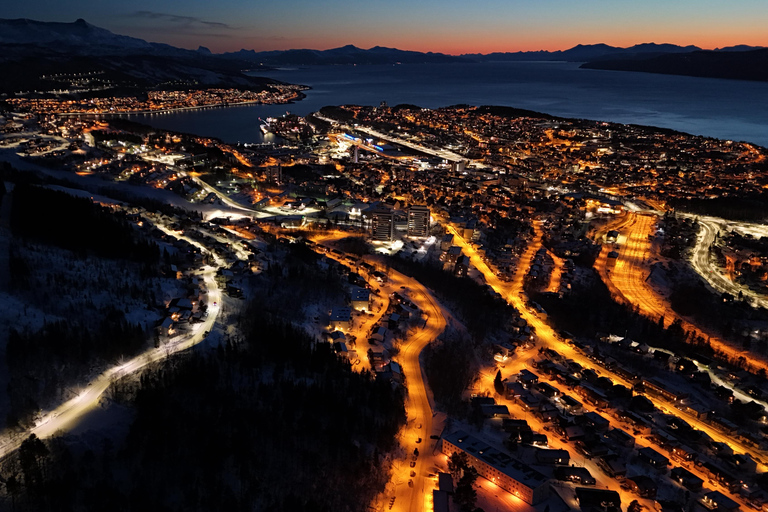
(728,109)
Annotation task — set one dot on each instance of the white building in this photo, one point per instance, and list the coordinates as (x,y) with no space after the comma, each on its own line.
(418,221)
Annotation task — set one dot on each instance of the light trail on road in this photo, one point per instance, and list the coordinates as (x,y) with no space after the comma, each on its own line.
(627,281)
(701,262)
(67,414)
(546,337)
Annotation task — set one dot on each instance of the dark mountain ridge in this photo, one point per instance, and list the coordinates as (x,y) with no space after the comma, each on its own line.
(79,37)
(382,55)
(348,54)
(737,62)
(584,52)
(730,64)
(32,50)
(38,56)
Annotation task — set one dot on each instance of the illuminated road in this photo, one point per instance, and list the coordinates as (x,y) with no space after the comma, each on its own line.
(546,337)
(556,275)
(363,330)
(418,407)
(627,281)
(67,414)
(205,186)
(556,442)
(360,144)
(702,264)
(441,153)
(505,289)
(224,198)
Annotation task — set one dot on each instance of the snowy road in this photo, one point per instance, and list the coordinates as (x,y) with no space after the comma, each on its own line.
(67,414)
(420,427)
(702,264)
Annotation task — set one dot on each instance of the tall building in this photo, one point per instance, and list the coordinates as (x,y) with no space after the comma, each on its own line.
(459,166)
(418,220)
(275,173)
(383,225)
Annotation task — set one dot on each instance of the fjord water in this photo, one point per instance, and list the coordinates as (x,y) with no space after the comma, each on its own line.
(727,109)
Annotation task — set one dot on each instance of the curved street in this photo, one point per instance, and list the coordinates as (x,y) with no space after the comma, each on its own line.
(418,405)
(702,263)
(69,413)
(416,434)
(628,281)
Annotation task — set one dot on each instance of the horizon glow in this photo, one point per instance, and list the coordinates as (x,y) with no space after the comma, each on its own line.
(448,26)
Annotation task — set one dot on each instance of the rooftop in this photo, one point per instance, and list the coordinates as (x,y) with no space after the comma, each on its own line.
(502,461)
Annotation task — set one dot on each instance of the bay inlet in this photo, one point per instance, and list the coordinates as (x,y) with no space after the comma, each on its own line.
(726,109)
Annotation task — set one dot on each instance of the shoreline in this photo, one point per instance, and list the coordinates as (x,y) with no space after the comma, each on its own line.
(299,96)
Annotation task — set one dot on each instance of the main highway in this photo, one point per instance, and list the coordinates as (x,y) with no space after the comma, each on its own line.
(628,281)
(69,413)
(546,337)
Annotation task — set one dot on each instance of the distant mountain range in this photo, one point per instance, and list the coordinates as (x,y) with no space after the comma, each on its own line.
(345,55)
(380,55)
(736,62)
(32,51)
(588,52)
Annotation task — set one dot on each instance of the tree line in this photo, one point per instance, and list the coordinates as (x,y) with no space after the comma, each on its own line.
(449,364)
(270,422)
(481,312)
(751,208)
(590,309)
(76,224)
(41,363)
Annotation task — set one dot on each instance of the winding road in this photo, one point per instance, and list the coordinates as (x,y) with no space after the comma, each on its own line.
(627,280)
(701,262)
(420,426)
(67,414)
